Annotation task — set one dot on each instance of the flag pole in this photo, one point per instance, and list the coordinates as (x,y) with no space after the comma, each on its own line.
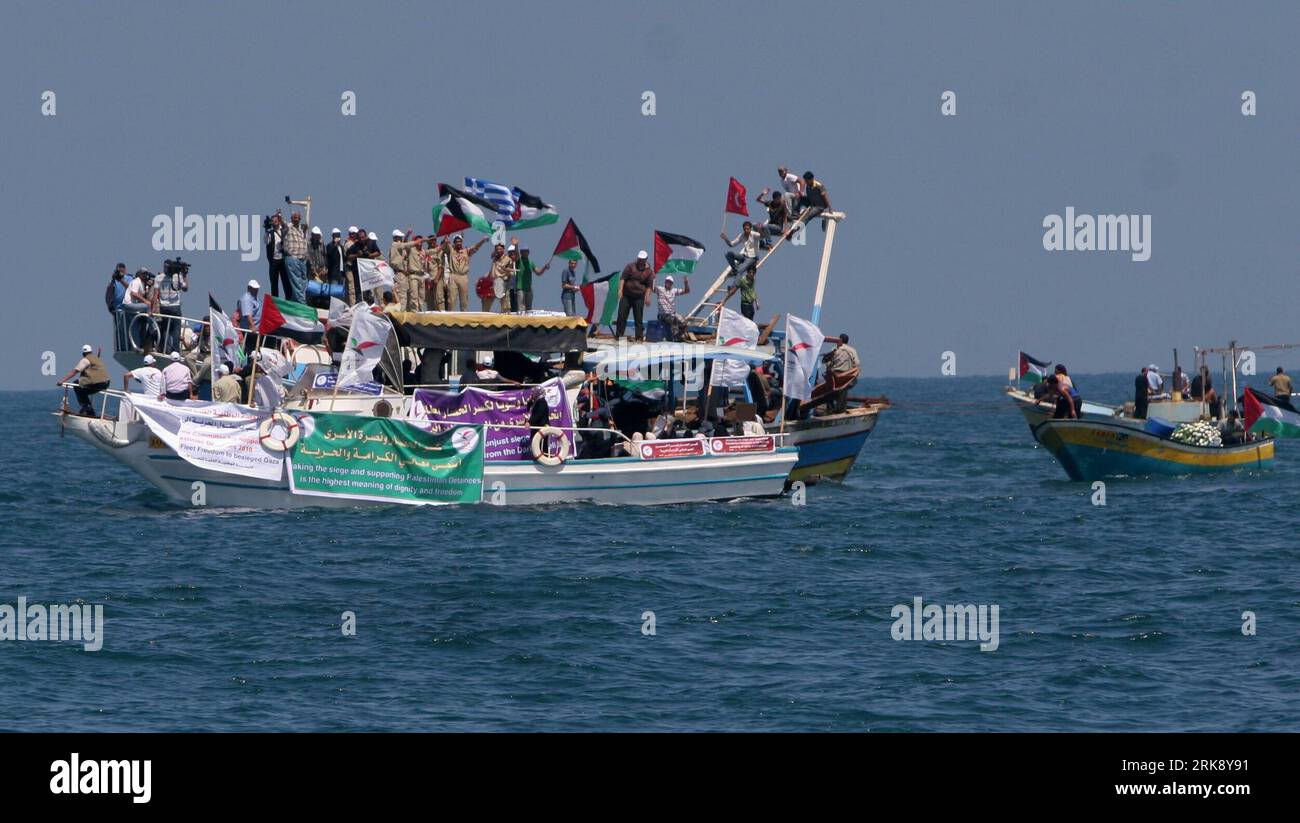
(252,375)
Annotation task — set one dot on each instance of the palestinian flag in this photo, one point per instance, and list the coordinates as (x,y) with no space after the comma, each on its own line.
(1266,414)
(601,297)
(531,212)
(457,211)
(1032,370)
(676,253)
(287,318)
(573,246)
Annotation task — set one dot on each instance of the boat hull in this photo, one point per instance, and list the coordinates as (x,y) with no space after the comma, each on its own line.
(829,445)
(615,481)
(1093,449)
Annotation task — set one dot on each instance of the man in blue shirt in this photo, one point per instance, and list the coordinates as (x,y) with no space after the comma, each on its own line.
(250,312)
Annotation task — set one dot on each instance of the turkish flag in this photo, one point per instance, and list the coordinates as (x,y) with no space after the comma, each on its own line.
(736,198)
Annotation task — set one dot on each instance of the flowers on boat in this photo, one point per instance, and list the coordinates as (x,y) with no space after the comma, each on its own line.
(1198,433)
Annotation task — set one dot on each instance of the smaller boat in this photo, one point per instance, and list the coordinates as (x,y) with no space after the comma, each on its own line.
(1090,449)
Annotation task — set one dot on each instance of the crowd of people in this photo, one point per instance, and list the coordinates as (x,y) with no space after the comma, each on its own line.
(429,274)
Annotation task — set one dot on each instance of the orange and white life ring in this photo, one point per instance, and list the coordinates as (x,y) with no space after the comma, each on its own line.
(541,455)
(266,432)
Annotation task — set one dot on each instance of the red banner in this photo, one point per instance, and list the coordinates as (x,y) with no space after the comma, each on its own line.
(658,449)
(733,445)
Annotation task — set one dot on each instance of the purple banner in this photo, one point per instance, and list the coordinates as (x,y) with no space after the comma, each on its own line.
(446,409)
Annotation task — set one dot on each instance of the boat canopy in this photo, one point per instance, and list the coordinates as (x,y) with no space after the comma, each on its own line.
(488,331)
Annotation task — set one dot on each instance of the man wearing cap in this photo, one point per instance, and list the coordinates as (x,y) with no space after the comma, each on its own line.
(433,265)
(139,298)
(295,257)
(92,378)
(634,289)
(336,265)
(149,377)
(1154,381)
(408,279)
(667,295)
(363,246)
(457,264)
(503,276)
(227,389)
(316,268)
(177,380)
(248,311)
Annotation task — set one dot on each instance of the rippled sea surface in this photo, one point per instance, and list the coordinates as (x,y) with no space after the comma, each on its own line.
(768,616)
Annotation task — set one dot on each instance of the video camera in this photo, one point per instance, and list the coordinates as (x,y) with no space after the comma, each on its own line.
(177,266)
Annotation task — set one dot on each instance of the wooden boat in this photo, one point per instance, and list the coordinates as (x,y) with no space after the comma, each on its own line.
(1090,449)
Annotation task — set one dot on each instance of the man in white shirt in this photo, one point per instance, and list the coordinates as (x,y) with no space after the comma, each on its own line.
(792,187)
(149,377)
(748,240)
(667,295)
(177,379)
(1154,380)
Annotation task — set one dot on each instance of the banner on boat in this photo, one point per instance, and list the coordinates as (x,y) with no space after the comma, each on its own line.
(494,410)
(220,437)
(377,458)
(738,445)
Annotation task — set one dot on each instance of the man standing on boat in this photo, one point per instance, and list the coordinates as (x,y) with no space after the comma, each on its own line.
(150,378)
(634,288)
(336,265)
(457,262)
(1154,380)
(296,239)
(1281,383)
(1141,395)
(92,378)
(524,271)
(667,295)
(177,379)
(748,294)
(842,369)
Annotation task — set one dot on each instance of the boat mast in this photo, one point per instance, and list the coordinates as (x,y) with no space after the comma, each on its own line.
(830,221)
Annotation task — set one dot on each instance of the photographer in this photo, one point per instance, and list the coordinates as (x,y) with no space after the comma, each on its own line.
(175,281)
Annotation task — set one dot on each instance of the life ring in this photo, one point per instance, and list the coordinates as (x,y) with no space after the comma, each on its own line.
(106,432)
(138,345)
(276,444)
(545,457)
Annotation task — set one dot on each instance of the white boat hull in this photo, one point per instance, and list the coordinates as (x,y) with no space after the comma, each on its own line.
(615,481)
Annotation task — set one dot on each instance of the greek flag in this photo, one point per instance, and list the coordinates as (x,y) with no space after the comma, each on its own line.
(501,197)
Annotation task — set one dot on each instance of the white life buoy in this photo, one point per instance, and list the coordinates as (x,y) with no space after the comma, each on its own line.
(106,432)
(544,457)
(278,444)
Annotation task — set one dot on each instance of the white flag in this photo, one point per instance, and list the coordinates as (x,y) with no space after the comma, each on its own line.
(374,274)
(734,329)
(224,341)
(365,346)
(340,314)
(803,341)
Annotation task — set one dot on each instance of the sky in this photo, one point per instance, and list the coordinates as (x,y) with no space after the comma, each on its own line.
(1108,107)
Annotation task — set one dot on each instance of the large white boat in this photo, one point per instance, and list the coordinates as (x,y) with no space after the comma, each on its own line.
(720,469)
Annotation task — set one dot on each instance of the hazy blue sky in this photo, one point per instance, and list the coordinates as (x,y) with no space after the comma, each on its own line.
(1131,107)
